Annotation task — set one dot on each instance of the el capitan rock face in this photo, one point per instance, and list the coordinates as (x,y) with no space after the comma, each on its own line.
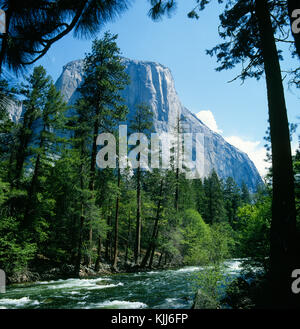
(153,84)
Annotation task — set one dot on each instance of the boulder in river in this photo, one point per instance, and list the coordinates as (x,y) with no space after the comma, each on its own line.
(103,283)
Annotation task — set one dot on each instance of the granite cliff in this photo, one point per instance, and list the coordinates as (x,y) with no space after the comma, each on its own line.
(153,84)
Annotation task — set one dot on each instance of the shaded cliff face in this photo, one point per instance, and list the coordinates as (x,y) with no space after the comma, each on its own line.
(153,84)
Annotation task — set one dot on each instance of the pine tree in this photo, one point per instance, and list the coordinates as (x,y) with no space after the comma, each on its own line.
(34,91)
(8,128)
(45,147)
(245,194)
(250,29)
(232,199)
(199,195)
(32,27)
(141,123)
(214,203)
(157,178)
(100,107)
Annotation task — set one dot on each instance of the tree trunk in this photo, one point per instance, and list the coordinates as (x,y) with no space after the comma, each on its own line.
(128,238)
(108,240)
(89,258)
(73,242)
(36,172)
(10,167)
(81,225)
(283,225)
(93,157)
(97,264)
(79,252)
(149,253)
(24,139)
(92,182)
(33,188)
(152,243)
(160,259)
(115,260)
(178,158)
(137,249)
(31,206)
(153,249)
(176,190)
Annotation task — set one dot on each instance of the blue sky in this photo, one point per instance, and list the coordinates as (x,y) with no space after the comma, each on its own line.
(238,112)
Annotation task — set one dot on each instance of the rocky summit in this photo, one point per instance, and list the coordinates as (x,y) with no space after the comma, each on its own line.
(152,84)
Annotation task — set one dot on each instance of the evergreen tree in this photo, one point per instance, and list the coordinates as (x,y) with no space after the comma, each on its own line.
(232,199)
(157,180)
(214,203)
(8,128)
(32,27)
(100,107)
(250,28)
(45,148)
(245,195)
(199,195)
(34,91)
(257,44)
(141,123)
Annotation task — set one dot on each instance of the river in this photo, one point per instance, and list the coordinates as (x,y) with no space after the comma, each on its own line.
(166,289)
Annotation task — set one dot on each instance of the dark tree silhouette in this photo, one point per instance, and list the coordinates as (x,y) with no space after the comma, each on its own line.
(33,26)
(250,28)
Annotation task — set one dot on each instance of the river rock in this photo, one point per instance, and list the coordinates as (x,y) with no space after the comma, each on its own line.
(103,283)
(67,269)
(23,277)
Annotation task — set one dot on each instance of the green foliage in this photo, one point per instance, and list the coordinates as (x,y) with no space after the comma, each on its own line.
(27,201)
(100,108)
(63,205)
(15,252)
(104,78)
(222,244)
(142,119)
(57,204)
(196,238)
(214,210)
(204,244)
(245,195)
(253,231)
(35,26)
(232,199)
(210,281)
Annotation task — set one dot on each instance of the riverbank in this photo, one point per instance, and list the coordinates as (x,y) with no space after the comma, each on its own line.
(45,271)
(155,289)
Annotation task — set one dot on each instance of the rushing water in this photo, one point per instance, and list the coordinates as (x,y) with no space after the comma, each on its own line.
(155,289)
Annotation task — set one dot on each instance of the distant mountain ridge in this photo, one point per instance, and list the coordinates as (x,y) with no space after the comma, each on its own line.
(153,84)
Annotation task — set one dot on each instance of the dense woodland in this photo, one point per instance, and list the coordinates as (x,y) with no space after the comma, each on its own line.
(58,208)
